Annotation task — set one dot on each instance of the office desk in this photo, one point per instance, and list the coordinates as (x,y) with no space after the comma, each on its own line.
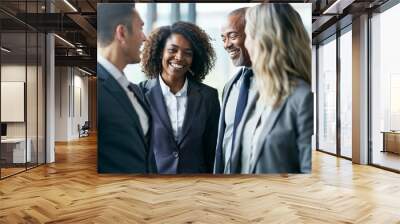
(13,150)
(391,141)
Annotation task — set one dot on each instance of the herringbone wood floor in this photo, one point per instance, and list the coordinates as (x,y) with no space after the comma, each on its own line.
(70,191)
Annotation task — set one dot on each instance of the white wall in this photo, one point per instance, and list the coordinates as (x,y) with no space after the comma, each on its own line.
(61,103)
(71,94)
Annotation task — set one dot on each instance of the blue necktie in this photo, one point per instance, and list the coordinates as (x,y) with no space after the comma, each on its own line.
(242,100)
(241,104)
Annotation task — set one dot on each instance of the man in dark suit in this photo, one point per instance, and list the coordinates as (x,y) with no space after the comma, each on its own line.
(123,117)
(235,94)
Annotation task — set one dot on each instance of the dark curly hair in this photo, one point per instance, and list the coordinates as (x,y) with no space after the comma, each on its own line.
(203,53)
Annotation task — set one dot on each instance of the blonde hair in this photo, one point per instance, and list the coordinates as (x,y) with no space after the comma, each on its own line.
(280,48)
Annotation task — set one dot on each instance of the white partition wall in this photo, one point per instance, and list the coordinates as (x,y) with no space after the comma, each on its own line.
(12,100)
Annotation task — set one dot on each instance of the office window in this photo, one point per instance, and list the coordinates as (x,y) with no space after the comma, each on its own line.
(327,96)
(346,94)
(385,89)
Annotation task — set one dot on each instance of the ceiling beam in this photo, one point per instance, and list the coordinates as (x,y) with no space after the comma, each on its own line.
(87,28)
(338,6)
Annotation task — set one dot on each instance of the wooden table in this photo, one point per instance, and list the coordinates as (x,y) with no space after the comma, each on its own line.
(391,141)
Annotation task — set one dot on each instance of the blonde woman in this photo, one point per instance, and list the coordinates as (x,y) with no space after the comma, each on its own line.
(278,123)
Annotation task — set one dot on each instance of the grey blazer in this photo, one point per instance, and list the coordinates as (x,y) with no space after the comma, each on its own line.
(284,145)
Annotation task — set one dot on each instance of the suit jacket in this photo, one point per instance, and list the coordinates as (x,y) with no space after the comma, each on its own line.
(195,150)
(122,146)
(284,145)
(219,156)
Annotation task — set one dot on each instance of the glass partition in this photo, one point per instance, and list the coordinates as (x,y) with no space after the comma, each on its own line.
(22,87)
(31,100)
(14,145)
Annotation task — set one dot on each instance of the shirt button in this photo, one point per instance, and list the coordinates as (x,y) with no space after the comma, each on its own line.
(175,154)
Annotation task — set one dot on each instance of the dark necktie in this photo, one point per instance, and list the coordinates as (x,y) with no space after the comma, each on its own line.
(243,95)
(241,104)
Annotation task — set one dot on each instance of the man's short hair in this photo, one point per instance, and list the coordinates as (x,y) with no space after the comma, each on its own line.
(241,13)
(109,16)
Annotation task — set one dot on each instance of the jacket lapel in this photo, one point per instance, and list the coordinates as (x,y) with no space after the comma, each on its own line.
(111,85)
(141,99)
(193,104)
(225,99)
(235,158)
(219,157)
(269,124)
(156,99)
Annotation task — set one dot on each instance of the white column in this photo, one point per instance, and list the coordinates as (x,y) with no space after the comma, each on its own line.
(50,93)
(50,99)
(360,90)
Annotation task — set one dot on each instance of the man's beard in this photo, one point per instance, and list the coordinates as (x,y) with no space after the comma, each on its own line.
(239,60)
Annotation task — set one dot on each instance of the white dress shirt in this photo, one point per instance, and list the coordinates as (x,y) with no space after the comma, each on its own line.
(176,106)
(124,83)
(230,111)
(251,134)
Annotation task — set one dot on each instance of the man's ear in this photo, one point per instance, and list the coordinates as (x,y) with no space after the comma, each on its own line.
(120,33)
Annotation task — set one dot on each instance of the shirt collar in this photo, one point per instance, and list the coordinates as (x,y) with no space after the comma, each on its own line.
(166,90)
(114,71)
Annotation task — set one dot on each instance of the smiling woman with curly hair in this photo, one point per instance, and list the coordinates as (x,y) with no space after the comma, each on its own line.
(203,53)
(185,112)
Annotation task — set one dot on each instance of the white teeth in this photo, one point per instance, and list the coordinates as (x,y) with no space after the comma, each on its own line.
(232,53)
(176,66)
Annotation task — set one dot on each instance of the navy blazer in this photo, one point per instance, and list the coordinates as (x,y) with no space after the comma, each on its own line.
(121,144)
(195,150)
